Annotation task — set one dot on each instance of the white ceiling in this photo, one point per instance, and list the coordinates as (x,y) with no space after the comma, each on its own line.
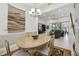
(49,10)
(31,5)
(45,7)
(58,13)
(42,6)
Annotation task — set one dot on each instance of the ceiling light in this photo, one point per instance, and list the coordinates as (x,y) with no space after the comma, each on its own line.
(35,11)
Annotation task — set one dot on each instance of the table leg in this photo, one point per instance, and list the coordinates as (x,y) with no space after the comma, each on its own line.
(32,52)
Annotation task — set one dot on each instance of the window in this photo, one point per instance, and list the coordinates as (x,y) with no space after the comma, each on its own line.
(57,26)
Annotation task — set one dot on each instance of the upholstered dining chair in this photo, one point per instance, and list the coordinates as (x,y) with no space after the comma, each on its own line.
(18,52)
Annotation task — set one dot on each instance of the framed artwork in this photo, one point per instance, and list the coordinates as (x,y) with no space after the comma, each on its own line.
(16,19)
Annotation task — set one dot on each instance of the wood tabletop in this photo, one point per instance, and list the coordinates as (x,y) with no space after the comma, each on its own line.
(29,42)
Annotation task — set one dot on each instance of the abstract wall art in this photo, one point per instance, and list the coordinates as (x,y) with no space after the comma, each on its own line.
(16,19)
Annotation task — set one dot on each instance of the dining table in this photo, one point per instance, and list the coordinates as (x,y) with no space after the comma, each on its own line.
(32,44)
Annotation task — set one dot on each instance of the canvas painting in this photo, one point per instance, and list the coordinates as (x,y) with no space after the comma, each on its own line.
(16,19)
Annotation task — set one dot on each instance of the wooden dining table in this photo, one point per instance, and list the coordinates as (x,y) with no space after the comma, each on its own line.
(33,44)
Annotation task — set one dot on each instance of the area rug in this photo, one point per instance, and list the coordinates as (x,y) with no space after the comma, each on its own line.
(58,51)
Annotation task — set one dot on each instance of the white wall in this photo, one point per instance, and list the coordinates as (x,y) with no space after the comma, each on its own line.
(3,17)
(31,23)
(3,27)
(42,21)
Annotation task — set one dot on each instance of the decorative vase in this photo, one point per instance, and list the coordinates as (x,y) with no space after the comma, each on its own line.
(35,37)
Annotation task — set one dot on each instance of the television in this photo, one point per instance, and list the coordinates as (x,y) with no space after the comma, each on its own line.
(41,28)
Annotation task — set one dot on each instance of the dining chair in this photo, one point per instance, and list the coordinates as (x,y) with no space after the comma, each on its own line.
(51,46)
(43,50)
(48,49)
(7,48)
(18,52)
(75,53)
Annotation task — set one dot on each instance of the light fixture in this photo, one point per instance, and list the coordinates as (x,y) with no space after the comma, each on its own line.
(35,11)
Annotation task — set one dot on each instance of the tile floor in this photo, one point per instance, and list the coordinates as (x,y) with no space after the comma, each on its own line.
(65,42)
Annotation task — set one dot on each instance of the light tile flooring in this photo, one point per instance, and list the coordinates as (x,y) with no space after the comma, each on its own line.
(66,42)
